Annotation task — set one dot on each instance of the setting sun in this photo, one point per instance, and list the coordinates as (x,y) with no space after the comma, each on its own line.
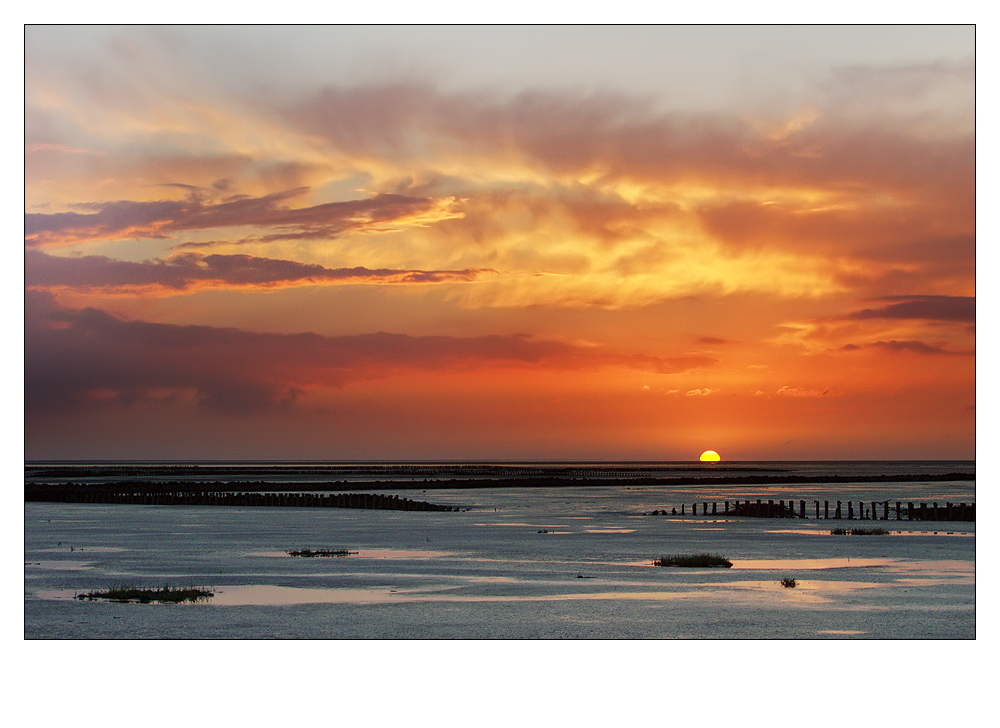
(710,456)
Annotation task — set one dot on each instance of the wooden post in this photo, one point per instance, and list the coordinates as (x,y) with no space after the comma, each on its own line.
(802,509)
(923,511)
(714,511)
(817,510)
(682,509)
(826,510)
(758,511)
(770,508)
(837,515)
(850,510)
(727,506)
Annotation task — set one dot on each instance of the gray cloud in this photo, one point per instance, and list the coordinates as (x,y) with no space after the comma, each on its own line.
(930,308)
(158,219)
(190,271)
(913,347)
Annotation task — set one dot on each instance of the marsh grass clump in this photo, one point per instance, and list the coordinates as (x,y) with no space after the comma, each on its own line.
(163,595)
(789,583)
(860,532)
(694,561)
(309,553)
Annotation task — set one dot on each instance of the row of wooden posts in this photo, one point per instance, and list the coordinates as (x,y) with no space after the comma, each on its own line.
(786,509)
(84,494)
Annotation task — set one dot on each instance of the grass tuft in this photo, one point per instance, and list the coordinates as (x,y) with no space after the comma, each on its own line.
(164,595)
(694,561)
(789,583)
(309,553)
(860,532)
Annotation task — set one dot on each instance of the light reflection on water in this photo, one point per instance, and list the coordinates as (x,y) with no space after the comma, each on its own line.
(57,565)
(841,631)
(271,595)
(841,563)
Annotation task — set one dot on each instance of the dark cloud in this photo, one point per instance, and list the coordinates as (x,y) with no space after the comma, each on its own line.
(929,308)
(714,340)
(913,347)
(111,220)
(157,219)
(192,271)
(76,358)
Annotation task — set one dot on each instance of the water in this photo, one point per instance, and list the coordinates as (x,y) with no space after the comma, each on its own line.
(565,562)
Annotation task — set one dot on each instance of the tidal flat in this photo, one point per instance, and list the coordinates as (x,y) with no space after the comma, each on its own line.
(567,562)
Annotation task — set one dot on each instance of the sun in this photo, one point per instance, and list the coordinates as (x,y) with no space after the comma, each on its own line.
(710,456)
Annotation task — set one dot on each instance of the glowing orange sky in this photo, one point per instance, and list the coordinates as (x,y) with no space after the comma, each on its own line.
(224,263)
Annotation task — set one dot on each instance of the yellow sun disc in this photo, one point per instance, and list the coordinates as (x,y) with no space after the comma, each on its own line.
(710,456)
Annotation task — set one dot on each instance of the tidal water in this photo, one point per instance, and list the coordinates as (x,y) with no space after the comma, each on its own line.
(569,561)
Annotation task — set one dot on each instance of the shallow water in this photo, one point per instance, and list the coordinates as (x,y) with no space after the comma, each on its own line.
(488,572)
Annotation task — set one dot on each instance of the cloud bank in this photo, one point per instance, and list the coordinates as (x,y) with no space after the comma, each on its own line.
(82,357)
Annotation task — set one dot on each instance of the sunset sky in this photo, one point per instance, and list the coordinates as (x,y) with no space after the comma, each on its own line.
(587,242)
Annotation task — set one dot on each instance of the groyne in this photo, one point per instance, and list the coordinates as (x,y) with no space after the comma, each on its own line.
(828,510)
(188,495)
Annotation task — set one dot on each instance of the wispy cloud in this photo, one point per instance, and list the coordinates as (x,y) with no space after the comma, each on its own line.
(188,272)
(126,219)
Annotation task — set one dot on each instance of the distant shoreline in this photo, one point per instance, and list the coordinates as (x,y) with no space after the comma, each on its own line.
(195,486)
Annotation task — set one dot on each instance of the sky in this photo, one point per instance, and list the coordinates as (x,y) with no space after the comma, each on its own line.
(499,242)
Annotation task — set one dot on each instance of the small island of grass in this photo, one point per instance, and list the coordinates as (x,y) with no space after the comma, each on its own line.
(164,595)
(309,553)
(694,561)
(859,532)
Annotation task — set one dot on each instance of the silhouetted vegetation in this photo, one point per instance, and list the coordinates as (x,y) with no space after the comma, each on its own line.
(789,583)
(165,594)
(860,532)
(321,552)
(694,561)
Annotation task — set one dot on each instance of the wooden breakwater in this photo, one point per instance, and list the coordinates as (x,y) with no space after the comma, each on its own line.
(160,495)
(839,510)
